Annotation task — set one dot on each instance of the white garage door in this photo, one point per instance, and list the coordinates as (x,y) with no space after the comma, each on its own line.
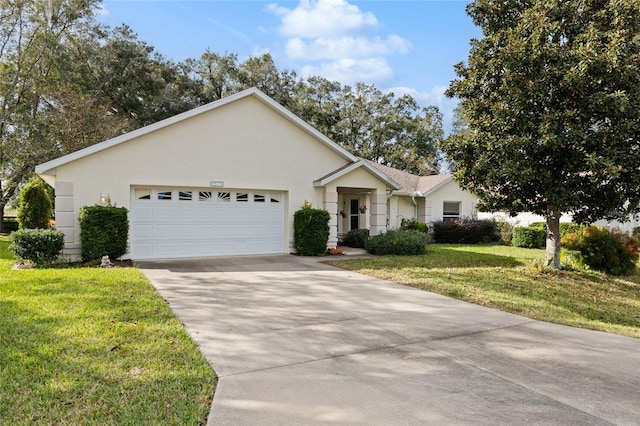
(188,222)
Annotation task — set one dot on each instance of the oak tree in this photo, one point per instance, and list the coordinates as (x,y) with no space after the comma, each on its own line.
(551,97)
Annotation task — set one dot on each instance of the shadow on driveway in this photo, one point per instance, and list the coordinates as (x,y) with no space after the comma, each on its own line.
(295,341)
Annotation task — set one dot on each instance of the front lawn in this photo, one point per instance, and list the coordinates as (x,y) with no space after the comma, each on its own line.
(506,278)
(95,347)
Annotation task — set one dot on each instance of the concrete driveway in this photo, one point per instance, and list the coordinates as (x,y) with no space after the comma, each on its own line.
(296,342)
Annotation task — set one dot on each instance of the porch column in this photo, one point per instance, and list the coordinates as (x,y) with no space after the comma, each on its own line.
(330,204)
(378,213)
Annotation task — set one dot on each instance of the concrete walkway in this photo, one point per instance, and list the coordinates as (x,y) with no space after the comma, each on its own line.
(295,342)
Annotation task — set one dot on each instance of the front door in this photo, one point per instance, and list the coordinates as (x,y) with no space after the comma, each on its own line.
(354,214)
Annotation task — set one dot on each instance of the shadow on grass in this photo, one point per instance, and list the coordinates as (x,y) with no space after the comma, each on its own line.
(437,257)
(103,356)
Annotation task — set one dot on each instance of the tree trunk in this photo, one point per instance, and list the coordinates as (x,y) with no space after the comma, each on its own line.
(2,205)
(553,238)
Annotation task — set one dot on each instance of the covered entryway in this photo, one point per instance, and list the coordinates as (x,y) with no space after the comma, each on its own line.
(199,222)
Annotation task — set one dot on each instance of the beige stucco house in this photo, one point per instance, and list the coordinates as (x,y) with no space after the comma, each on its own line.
(226,179)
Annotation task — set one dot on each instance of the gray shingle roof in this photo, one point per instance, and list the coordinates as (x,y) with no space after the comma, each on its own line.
(412,183)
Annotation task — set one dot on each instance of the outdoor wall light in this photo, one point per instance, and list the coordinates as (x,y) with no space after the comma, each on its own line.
(105,199)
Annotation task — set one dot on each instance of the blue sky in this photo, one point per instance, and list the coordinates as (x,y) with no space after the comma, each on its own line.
(400,46)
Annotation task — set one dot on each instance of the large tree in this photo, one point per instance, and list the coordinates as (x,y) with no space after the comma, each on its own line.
(33,36)
(551,96)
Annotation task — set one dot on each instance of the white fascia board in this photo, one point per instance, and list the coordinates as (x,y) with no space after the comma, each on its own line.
(49,166)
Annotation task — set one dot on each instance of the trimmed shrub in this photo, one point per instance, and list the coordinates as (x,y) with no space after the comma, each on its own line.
(465,231)
(414,224)
(570,228)
(41,246)
(603,250)
(104,231)
(34,209)
(398,242)
(538,225)
(528,237)
(505,231)
(565,227)
(636,232)
(356,238)
(311,231)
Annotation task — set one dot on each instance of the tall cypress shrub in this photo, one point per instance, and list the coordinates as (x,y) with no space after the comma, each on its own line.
(34,209)
(311,230)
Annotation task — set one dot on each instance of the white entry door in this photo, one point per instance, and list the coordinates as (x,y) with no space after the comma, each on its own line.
(195,222)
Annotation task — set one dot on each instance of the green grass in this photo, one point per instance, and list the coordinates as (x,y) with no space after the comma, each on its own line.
(95,347)
(508,279)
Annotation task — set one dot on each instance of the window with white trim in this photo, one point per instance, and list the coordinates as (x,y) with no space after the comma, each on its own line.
(451,211)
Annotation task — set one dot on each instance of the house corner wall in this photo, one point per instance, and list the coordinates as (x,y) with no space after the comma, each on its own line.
(66,220)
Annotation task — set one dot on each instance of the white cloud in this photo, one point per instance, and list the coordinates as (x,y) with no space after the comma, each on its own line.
(350,71)
(434,97)
(337,40)
(345,47)
(322,18)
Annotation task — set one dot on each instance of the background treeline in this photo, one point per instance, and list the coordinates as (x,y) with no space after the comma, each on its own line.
(67,82)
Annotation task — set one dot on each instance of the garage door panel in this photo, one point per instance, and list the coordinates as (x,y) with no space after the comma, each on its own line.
(163,231)
(206,226)
(185,231)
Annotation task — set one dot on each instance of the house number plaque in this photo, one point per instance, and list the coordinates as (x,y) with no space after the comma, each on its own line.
(216,183)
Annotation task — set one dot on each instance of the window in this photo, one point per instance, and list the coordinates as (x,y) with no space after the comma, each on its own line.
(450,211)
(354,214)
(164,195)
(224,196)
(242,197)
(185,196)
(205,196)
(143,194)
(258,198)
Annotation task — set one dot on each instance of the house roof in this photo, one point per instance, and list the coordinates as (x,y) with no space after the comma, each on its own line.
(348,168)
(49,168)
(412,184)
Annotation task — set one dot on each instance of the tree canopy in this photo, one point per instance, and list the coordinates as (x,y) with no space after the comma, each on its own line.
(551,98)
(67,82)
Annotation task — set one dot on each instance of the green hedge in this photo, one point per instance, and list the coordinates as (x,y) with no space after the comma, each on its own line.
(10,225)
(397,242)
(528,237)
(505,231)
(565,227)
(465,231)
(415,224)
(311,231)
(356,238)
(103,232)
(40,246)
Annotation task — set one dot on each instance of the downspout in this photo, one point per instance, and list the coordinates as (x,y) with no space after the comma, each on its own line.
(415,204)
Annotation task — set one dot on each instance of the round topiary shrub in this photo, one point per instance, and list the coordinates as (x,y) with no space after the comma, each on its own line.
(41,246)
(603,250)
(34,209)
(311,231)
(398,242)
